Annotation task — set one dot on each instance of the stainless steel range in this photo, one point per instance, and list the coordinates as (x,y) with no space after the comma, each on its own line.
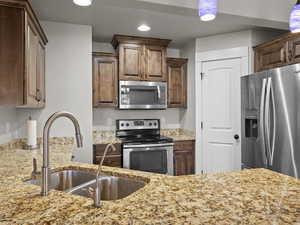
(143,147)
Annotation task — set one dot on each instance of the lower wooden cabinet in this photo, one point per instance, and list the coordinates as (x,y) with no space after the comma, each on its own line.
(184,158)
(113,159)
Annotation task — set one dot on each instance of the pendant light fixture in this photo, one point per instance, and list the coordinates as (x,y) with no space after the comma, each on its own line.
(295,18)
(207,9)
(83,2)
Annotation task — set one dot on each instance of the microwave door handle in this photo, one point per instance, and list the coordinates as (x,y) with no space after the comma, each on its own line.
(158,92)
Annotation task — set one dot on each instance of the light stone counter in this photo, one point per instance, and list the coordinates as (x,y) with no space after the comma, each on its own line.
(248,197)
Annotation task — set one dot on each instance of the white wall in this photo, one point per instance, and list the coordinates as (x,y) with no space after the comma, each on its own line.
(105,118)
(103,47)
(68,83)
(224,41)
(187,116)
(9,126)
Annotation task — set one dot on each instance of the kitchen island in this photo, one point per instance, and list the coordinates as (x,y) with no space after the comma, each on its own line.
(248,197)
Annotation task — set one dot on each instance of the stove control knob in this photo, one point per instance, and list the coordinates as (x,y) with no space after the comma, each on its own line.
(127,124)
(155,124)
(150,124)
(122,124)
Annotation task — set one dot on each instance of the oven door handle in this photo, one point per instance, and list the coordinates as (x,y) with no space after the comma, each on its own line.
(149,146)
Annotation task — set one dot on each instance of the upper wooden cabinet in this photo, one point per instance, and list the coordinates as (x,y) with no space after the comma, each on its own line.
(105,80)
(141,59)
(22,56)
(155,59)
(131,62)
(177,82)
(282,51)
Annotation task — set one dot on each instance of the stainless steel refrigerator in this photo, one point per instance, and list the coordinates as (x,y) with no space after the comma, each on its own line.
(271,120)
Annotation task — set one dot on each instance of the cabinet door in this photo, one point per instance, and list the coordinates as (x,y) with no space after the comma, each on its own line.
(41,90)
(184,163)
(294,51)
(31,64)
(105,82)
(11,55)
(177,86)
(155,59)
(131,62)
(271,56)
(110,160)
(113,158)
(184,158)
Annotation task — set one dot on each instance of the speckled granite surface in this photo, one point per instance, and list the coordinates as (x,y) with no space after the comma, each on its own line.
(179,134)
(105,137)
(249,197)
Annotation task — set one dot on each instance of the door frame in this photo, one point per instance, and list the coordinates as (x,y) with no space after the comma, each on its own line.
(201,57)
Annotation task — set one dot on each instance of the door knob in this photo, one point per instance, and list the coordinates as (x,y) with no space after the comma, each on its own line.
(236,137)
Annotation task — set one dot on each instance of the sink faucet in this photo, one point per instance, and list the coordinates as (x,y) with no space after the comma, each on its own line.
(96,193)
(45,167)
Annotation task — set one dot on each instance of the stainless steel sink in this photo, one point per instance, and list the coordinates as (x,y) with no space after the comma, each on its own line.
(112,188)
(65,180)
(79,182)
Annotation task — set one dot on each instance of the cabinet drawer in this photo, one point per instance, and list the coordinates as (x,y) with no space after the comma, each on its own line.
(111,160)
(99,150)
(184,146)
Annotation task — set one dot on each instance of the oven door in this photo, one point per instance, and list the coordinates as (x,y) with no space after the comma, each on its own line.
(156,158)
(142,95)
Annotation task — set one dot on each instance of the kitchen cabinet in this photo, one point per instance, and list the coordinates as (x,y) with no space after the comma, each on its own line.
(282,51)
(177,82)
(141,59)
(105,80)
(112,159)
(155,59)
(22,56)
(184,158)
(294,50)
(131,62)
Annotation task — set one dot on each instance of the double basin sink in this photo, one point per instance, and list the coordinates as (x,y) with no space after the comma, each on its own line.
(79,182)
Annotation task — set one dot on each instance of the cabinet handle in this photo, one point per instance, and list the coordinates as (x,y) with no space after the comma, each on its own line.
(38,95)
(290,55)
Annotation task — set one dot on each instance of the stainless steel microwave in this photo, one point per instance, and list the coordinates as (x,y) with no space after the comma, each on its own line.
(142,95)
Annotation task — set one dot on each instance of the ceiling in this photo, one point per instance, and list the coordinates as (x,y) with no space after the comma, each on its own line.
(109,17)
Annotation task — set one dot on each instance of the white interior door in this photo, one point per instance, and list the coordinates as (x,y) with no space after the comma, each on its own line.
(221,110)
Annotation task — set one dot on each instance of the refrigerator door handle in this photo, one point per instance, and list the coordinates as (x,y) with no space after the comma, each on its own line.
(267,126)
(274,123)
(261,122)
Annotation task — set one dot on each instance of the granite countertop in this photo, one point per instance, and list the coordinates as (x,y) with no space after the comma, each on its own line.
(248,197)
(106,137)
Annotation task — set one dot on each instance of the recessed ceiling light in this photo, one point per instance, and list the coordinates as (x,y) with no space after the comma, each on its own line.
(144,28)
(83,2)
